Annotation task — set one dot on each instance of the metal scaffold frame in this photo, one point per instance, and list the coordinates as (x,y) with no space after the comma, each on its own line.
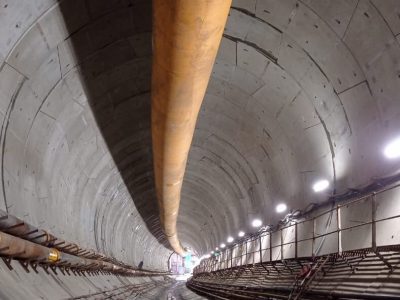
(335,250)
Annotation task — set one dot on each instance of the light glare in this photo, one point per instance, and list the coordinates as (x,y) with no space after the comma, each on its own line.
(392,150)
(230,239)
(241,234)
(222,245)
(280,208)
(256,223)
(320,185)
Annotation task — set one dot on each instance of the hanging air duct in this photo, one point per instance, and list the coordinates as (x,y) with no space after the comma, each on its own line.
(186,38)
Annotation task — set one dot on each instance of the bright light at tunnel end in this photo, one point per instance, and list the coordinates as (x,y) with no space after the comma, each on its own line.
(392,150)
(320,185)
(241,234)
(281,207)
(256,223)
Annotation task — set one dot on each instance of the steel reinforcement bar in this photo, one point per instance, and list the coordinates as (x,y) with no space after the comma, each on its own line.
(19,228)
(122,292)
(36,247)
(362,274)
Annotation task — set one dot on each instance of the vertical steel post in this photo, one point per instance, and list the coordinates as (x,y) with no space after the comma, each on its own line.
(270,246)
(231,257)
(295,240)
(313,238)
(339,229)
(246,253)
(373,217)
(281,230)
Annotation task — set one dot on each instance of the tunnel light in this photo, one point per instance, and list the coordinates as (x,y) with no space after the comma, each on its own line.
(281,207)
(320,185)
(241,234)
(230,239)
(256,223)
(222,245)
(392,150)
(212,252)
(216,249)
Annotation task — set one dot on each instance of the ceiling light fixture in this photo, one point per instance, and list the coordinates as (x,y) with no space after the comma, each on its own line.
(256,223)
(241,234)
(320,185)
(281,207)
(222,245)
(230,239)
(392,150)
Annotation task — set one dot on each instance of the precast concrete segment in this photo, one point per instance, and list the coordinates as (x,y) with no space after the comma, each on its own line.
(87,159)
(186,37)
(258,139)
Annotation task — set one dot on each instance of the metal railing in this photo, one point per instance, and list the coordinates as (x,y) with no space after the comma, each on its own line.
(347,226)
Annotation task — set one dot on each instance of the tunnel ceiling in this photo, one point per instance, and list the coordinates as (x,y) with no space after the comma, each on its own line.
(300,90)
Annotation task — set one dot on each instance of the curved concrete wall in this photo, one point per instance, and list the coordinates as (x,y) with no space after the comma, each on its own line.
(75,141)
(301,90)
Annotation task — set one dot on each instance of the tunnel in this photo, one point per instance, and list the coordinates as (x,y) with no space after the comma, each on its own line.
(291,187)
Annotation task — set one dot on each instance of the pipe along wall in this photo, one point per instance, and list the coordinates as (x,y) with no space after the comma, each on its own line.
(22,241)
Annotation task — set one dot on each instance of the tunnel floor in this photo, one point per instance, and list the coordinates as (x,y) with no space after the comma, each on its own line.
(48,284)
(175,290)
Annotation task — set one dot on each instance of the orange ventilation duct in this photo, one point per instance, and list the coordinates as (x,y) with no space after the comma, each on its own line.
(186,38)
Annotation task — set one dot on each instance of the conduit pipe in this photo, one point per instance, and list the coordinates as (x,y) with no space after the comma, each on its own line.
(17,248)
(21,240)
(19,228)
(186,38)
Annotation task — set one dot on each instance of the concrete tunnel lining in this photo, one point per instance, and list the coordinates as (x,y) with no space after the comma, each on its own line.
(294,96)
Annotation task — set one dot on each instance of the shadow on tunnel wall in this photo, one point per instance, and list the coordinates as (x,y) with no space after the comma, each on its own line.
(113,51)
